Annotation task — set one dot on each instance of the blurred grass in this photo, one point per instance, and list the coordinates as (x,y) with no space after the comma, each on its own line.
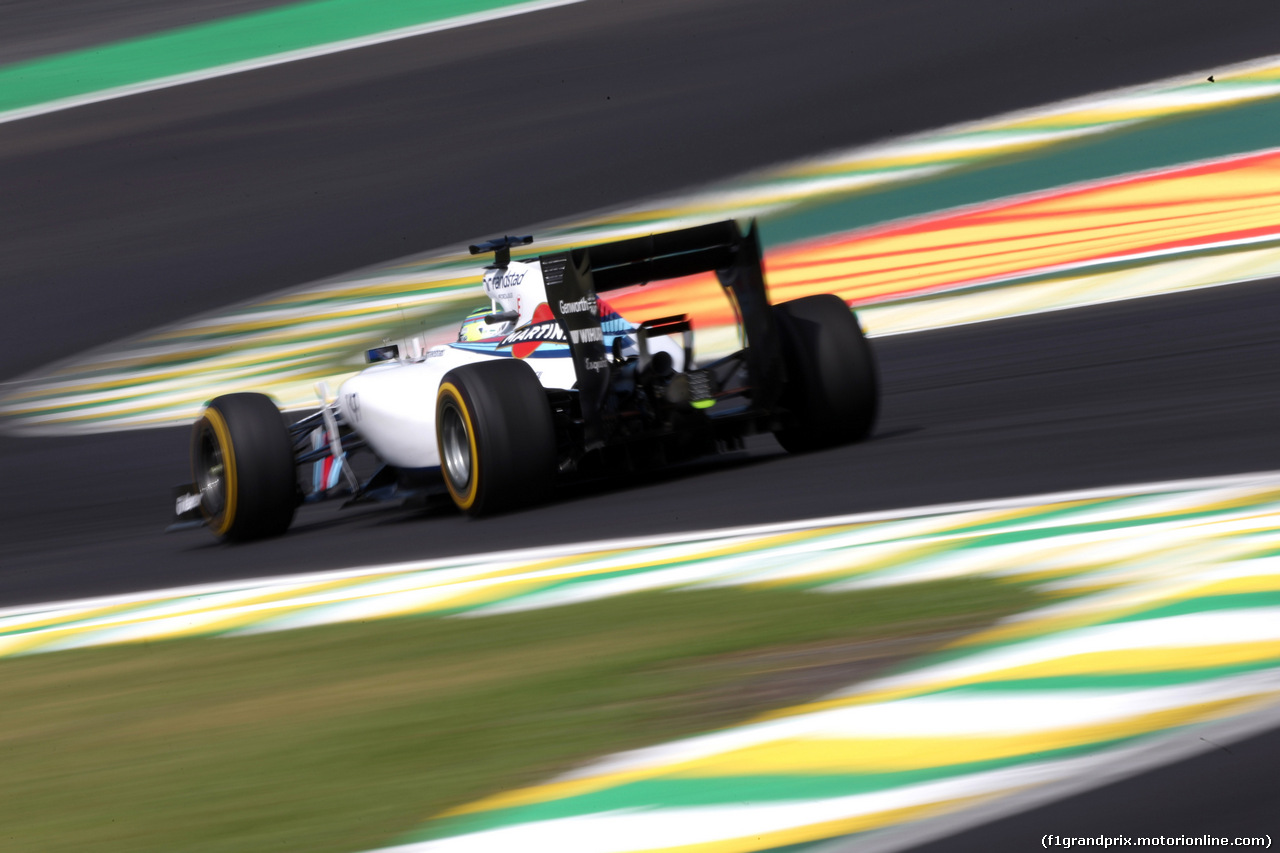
(342,737)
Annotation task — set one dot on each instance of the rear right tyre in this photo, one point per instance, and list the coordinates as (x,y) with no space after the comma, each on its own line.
(832,393)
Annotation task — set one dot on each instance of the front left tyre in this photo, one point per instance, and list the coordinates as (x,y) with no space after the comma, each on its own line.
(242,463)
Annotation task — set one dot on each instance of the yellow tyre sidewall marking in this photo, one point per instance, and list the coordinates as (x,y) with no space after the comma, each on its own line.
(464,501)
(222,432)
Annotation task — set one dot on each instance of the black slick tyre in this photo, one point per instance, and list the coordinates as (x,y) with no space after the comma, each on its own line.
(242,463)
(832,393)
(496,438)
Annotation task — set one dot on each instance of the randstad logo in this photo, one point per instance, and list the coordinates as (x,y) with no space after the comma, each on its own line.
(503,279)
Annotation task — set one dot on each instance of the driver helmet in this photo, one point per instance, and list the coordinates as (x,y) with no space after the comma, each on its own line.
(474,328)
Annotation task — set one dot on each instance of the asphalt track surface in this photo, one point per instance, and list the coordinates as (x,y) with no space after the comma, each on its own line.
(117,217)
(120,216)
(1227,792)
(1123,393)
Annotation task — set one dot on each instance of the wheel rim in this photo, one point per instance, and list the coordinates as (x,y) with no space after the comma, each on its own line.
(210,474)
(457,448)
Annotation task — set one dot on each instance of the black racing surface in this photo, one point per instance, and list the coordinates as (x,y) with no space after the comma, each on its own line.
(1169,387)
(124,215)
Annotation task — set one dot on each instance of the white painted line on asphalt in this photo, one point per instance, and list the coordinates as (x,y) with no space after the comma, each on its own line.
(279,59)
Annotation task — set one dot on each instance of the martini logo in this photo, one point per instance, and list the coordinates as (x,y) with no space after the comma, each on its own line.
(538,332)
(543,328)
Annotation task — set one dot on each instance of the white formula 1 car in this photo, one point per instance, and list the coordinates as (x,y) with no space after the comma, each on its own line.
(545,384)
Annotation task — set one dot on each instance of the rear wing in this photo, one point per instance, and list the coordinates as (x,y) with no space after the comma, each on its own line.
(574,278)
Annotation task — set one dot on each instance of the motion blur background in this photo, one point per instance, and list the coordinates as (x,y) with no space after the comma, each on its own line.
(133,213)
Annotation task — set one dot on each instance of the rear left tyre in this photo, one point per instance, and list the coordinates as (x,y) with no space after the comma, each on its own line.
(496,437)
(242,463)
